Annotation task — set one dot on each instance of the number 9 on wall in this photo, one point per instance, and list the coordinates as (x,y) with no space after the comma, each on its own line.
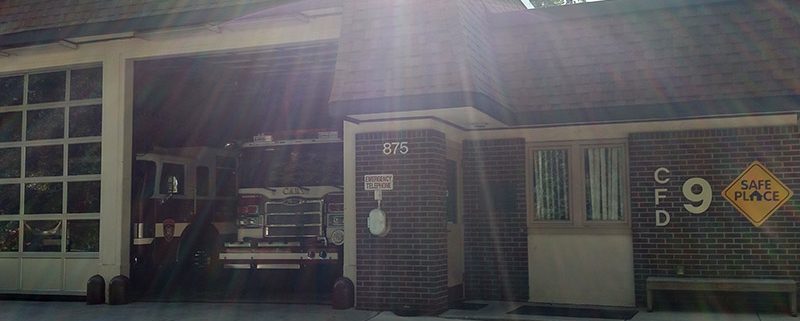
(703,197)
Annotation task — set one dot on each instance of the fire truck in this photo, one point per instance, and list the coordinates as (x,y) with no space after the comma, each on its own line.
(183,207)
(290,204)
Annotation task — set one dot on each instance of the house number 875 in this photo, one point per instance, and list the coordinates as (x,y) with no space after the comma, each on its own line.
(394,148)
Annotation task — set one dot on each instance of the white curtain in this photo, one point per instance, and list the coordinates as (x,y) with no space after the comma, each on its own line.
(551,184)
(604,190)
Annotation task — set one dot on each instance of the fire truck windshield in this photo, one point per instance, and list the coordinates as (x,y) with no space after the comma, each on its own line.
(291,165)
(144,173)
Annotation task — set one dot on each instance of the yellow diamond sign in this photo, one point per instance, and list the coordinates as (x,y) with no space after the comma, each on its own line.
(757,193)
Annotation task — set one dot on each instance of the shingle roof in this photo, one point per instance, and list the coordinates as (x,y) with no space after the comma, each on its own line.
(31,22)
(719,50)
(24,15)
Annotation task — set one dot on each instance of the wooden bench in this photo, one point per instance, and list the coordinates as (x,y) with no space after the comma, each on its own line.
(723,285)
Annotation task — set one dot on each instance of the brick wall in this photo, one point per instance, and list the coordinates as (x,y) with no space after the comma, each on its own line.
(495,236)
(478,57)
(720,242)
(409,265)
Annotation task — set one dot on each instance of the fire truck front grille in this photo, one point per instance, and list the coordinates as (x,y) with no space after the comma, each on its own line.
(293,217)
(293,231)
(289,208)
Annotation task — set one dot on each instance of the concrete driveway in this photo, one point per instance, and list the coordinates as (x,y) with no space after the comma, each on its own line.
(147,311)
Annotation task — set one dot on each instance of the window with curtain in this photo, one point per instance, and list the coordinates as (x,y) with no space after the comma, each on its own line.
(580,183)
(551,184)
(603,170)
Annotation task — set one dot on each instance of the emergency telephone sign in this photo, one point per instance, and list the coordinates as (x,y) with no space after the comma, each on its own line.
(380,182)
(757,193)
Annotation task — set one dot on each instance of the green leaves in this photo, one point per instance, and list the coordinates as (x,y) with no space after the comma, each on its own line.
(552,3)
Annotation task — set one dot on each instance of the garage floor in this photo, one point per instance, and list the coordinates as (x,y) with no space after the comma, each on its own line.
(145,311)
(244,286)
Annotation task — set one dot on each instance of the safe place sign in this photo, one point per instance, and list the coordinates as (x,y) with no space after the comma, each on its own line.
(757,193)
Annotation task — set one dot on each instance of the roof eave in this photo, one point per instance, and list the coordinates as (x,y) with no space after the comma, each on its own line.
(583,10)
(138,24)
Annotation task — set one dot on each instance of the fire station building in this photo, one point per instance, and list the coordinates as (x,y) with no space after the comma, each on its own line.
(558,155)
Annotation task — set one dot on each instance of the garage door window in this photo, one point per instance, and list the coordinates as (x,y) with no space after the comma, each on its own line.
(45,124)
(9,199)
(44,161)
(11,130)
(9,231)
(11,89)
(10,162)
(42,236)
(43,198)
(50,132)
(82,236)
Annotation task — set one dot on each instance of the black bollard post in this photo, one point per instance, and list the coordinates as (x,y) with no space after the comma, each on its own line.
(96,290)
(343,294)
(118,290)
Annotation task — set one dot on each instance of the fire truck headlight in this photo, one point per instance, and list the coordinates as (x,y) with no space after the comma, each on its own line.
(337,237)
(248,221)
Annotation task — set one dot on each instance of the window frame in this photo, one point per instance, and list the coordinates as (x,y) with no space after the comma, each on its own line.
(530,172)
(227,165)
(577,220)
(183,187)
(199,181)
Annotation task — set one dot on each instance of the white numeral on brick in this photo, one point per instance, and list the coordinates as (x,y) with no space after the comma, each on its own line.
(393,148)
(703,197)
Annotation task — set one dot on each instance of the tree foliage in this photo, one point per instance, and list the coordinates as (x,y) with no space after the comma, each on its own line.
(552,3)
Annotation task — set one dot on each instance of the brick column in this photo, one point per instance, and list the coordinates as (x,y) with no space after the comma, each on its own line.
(495,220)
(408,267)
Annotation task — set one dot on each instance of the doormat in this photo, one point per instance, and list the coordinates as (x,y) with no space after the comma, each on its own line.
(600,313)
(467,306)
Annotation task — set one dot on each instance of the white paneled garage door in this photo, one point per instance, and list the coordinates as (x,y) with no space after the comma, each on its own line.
(50,129)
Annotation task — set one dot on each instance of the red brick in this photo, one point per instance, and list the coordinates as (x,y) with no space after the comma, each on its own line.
(720,242)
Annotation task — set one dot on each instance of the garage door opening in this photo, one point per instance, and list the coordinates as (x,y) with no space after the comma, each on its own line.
(237,181)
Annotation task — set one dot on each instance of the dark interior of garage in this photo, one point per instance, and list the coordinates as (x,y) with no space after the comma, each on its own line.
(213,99)
(210,101)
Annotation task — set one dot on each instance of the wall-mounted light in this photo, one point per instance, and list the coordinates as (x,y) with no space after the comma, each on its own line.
(97,38)
(68,44)
(479,125)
